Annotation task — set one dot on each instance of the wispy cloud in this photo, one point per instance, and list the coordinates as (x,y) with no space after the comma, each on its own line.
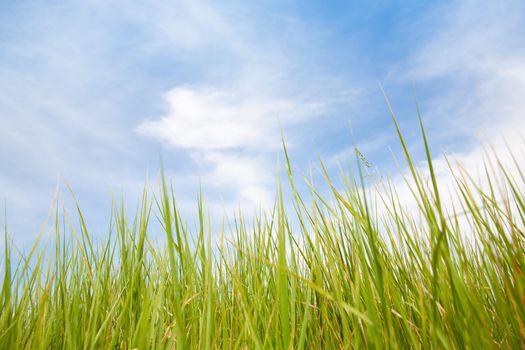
(86,82)
(473,55)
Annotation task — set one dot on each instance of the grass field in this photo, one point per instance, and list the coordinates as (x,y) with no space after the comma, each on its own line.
(352,269)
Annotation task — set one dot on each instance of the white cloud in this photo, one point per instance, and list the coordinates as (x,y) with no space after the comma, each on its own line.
(250,177)
(214,119)
(232,134)
(229,121)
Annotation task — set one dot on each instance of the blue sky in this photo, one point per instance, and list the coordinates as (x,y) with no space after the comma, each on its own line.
(95,92)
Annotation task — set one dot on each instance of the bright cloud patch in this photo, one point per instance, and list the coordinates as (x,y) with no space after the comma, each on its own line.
(210,119)
(250,177)
(233,135)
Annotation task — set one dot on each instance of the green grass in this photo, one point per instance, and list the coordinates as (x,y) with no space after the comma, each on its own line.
(351,269)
